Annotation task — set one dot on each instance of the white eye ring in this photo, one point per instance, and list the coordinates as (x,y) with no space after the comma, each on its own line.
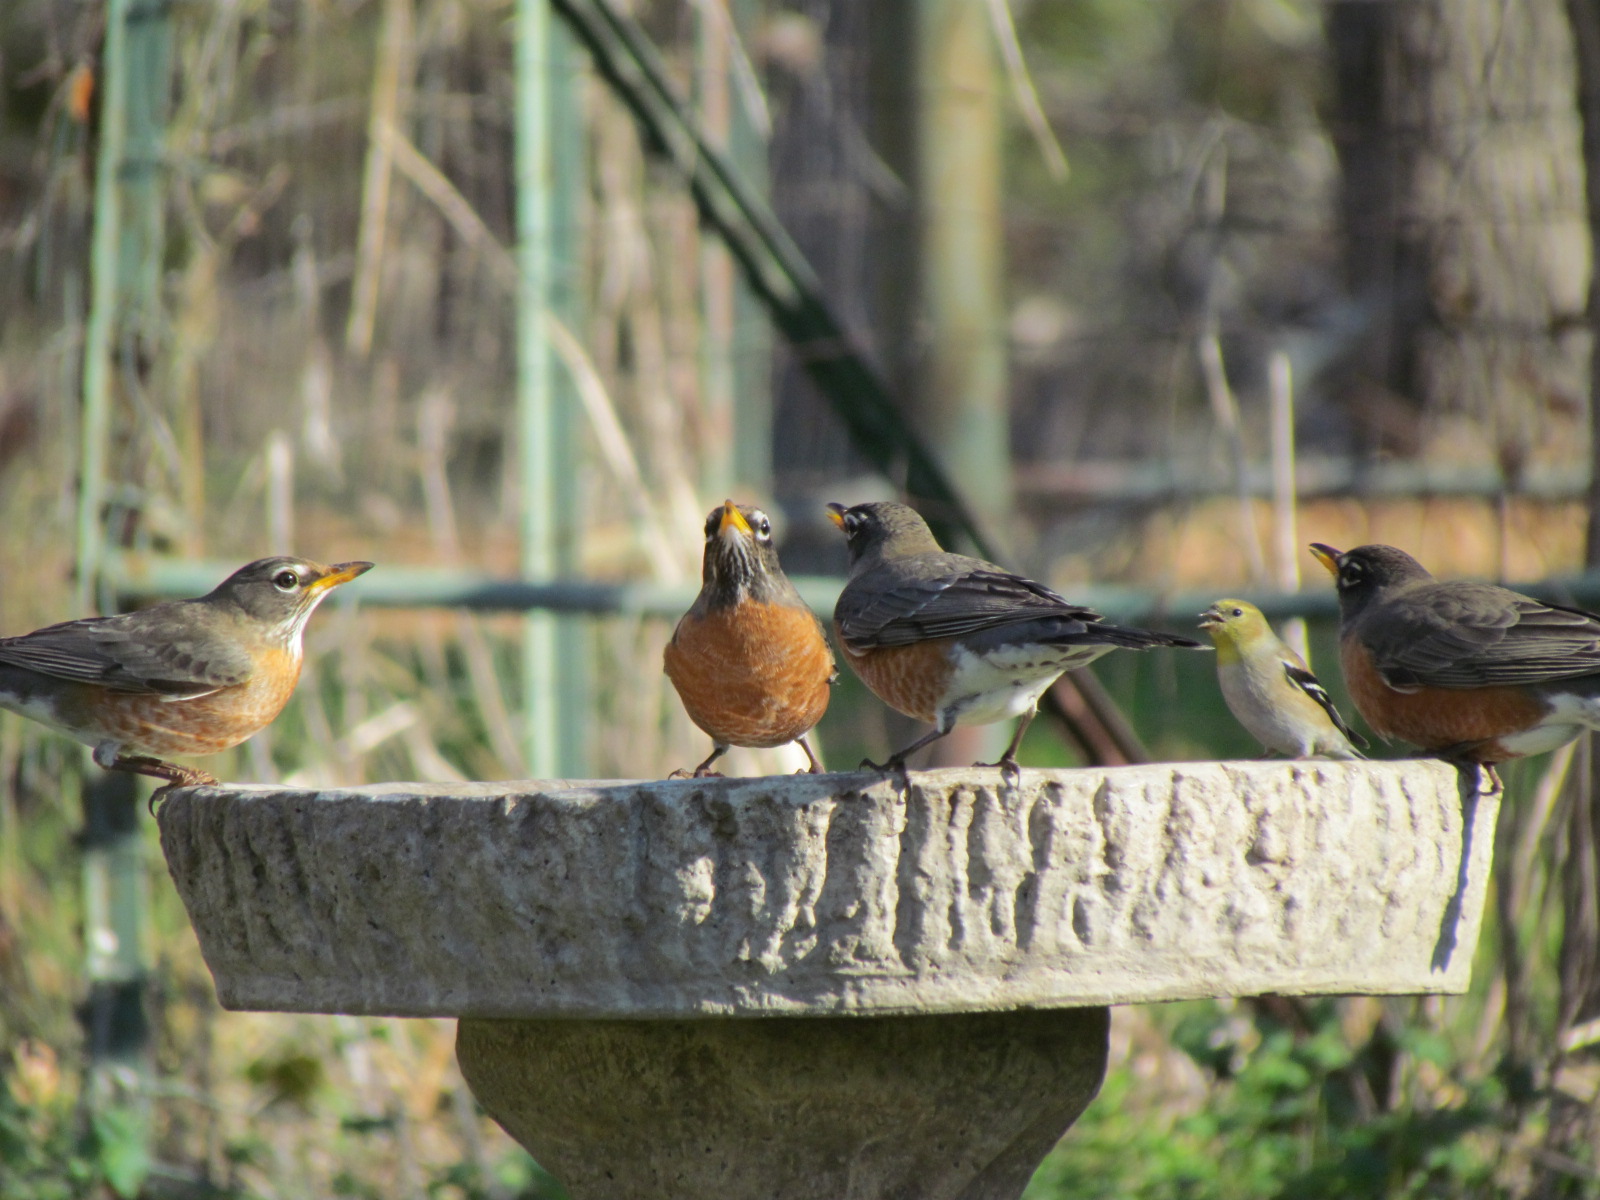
(286,580)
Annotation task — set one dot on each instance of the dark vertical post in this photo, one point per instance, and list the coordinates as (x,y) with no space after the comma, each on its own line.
(115,897)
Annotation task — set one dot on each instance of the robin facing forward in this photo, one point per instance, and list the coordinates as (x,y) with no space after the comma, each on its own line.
(749,659)
(954,640)
(184,677)
(1269,688)
(1474,673)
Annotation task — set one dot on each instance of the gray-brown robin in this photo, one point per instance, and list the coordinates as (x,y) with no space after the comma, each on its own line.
(749,659)
(183,677)
(954,640)
(1469,671)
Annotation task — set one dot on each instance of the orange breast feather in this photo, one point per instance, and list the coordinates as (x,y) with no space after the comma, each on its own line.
(912,679)
(751,674)
(205,724)
(1438,718)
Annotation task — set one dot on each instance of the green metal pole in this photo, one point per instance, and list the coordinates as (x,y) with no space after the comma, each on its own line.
(124,306)
(575,635)
(538,426)
(99,328)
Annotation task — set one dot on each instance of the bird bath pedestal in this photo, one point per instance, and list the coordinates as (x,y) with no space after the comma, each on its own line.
(829,985)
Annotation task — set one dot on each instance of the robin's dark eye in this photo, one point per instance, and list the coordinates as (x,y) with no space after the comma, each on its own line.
(763,528)
(286,580)
(1351,572)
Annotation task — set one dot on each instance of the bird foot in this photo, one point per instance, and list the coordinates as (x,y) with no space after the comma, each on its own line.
(1459,758)
(697,773)
(1496,784)
(177,777)
(1010,772)
(890,766)
(157,796)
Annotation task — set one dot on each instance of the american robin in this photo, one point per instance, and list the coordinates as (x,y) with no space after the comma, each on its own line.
(749,659)
(184,677)
(1270,689)
(1474,673)
(954,640)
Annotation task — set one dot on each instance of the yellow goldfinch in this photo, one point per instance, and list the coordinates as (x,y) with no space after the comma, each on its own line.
(1269,688)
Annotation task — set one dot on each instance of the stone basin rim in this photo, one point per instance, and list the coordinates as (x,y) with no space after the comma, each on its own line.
(972,776)
(834,895)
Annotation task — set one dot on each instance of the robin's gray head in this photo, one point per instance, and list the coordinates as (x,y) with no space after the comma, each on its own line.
(282,592)
(1367,571)
(740,556)
(882,530)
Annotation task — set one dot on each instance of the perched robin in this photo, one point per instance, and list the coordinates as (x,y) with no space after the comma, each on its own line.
(1472,672)
(1270,689)
(184,677)
(954,640)
(749,659)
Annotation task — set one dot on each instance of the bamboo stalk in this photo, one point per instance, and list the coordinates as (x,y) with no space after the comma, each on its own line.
(1226,411)
(1285,531)
(1025,95)
(388,85)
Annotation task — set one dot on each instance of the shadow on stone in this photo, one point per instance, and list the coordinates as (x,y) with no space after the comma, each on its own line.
(1470,785)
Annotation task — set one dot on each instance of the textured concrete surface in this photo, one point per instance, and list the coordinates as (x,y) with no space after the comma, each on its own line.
(954,1107)
(835,893)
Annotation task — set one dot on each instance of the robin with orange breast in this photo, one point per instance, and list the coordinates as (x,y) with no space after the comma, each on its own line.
(954,640)
(183,677)
(749,660)
(1474,673)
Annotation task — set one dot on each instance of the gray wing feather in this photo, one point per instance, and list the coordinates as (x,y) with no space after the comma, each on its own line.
(1478,635)
(143,652)
(952,602)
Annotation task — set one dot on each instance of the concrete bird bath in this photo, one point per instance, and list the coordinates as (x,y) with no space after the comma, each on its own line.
(791,988)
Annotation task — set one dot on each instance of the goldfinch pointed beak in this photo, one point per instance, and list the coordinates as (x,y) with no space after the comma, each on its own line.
(1211,618)
(1327,556)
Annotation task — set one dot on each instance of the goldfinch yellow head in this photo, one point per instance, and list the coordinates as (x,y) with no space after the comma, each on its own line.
(1234,624)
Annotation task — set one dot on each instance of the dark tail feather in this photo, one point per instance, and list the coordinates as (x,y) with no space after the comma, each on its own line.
(1141,639)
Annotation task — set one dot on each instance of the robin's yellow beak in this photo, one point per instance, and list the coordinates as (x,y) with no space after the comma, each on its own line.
(732,518)
(337,574)
(836,512)
(1327,556)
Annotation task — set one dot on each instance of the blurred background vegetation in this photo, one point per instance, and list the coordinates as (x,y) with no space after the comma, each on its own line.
(1090,245)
